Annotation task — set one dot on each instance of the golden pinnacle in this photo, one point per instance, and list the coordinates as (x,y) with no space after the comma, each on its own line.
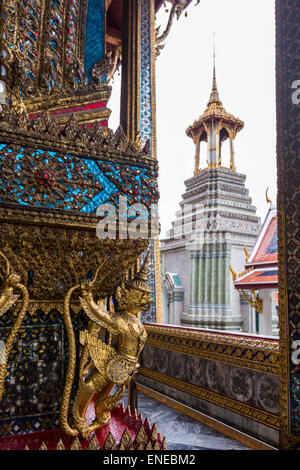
(94,444)
(43,446)
(60,445)
(76,444)
(110,442)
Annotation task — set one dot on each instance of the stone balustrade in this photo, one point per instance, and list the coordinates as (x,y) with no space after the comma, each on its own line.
(228,378)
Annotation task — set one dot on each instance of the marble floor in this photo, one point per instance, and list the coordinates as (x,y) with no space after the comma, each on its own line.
(181,431)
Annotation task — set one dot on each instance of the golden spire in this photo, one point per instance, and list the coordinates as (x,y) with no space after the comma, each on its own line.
(214,96)
(214,126)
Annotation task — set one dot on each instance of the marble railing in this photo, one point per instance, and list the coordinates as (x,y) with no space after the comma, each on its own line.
(231,378)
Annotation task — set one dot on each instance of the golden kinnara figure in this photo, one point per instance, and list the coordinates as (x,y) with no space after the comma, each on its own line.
(105,365)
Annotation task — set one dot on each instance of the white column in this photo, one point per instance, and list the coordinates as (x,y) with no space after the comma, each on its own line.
(232,152)
(209,145)
(218,147)
(275,319)
(213,145)
(178,305)
(265,318)
(197,156)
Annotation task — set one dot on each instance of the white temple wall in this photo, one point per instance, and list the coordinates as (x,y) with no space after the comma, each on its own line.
(178,261)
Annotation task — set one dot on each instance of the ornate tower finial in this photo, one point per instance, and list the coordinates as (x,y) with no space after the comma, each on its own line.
(214,96)
(215,126)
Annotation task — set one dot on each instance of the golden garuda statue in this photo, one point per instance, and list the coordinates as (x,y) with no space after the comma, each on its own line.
(106,362)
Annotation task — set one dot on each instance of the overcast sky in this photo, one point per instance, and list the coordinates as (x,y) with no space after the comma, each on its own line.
(245,60)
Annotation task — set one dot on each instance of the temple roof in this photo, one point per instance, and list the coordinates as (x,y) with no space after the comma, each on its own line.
(261,269)
(265,252)
(258,279)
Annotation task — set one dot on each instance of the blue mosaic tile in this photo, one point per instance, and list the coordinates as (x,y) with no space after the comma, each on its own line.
(94,35)
(272,248)
(50,179)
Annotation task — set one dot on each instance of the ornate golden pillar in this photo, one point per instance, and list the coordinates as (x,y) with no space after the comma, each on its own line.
(131,62)
(59,164)
(138,106)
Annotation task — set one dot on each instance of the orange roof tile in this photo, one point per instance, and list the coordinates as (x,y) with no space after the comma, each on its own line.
(258,278)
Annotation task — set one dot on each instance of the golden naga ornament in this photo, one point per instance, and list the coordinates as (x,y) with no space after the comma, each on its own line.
(104,364)
(7,300)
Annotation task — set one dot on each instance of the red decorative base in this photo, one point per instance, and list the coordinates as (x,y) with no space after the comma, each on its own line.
(125,431)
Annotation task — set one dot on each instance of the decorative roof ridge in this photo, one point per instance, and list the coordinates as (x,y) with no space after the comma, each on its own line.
(217,111)
(45,126)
